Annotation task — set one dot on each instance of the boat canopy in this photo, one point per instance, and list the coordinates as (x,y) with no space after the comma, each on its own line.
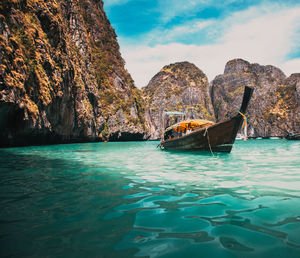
(189,124)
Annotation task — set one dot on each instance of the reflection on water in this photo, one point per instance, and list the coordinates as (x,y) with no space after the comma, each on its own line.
(131,199)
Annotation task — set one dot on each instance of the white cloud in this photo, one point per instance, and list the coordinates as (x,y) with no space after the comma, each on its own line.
(291,66)
(144,62)
(190,28)
(179,32)
(169,8)
(266,38)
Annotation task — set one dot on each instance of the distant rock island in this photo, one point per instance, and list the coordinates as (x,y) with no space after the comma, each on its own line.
(275,106)
(182,87)
(273,111)
(62,80)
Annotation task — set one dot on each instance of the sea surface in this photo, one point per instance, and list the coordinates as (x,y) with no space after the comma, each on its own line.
(132,199)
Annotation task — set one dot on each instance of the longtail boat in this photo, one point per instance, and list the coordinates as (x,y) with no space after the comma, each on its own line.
(206,135)
(293,136)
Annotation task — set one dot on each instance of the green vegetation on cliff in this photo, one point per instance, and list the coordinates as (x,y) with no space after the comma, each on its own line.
(62,73)
(181,87)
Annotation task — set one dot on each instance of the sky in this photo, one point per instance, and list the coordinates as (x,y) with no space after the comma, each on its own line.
(208,33)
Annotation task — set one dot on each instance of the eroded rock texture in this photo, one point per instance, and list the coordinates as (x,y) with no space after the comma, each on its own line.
(177,87)
(62,78)
(275,106)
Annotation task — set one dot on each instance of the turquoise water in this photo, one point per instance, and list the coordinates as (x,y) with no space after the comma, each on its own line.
(133,200)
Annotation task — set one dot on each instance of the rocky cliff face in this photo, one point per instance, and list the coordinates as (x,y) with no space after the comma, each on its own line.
(177,87)
(275,106)
(62,78)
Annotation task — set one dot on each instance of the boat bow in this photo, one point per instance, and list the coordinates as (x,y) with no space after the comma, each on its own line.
(217,137)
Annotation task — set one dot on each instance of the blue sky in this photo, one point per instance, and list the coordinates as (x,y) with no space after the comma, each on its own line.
(208,33)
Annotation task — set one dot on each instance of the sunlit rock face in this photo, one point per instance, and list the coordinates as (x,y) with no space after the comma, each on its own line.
(275,106)
(62,78)
(176,87)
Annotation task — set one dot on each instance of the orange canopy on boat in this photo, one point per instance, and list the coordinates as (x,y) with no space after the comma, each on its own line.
(190,124)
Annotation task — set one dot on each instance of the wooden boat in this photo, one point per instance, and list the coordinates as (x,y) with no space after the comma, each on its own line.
(214,137)
(293,136)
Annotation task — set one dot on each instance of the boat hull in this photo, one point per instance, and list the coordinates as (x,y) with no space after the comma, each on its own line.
(295,137)
(219,137)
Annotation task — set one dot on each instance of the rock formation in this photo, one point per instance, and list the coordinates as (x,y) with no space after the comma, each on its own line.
(177,87)
(62,78)
(275,106)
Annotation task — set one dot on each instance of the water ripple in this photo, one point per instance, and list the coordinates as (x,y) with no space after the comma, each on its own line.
(133,200)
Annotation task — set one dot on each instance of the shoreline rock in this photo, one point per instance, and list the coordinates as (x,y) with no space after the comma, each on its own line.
(62,77)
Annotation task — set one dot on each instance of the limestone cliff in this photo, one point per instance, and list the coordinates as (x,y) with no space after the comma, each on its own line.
(275,106)
(62,78)
(177,87)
